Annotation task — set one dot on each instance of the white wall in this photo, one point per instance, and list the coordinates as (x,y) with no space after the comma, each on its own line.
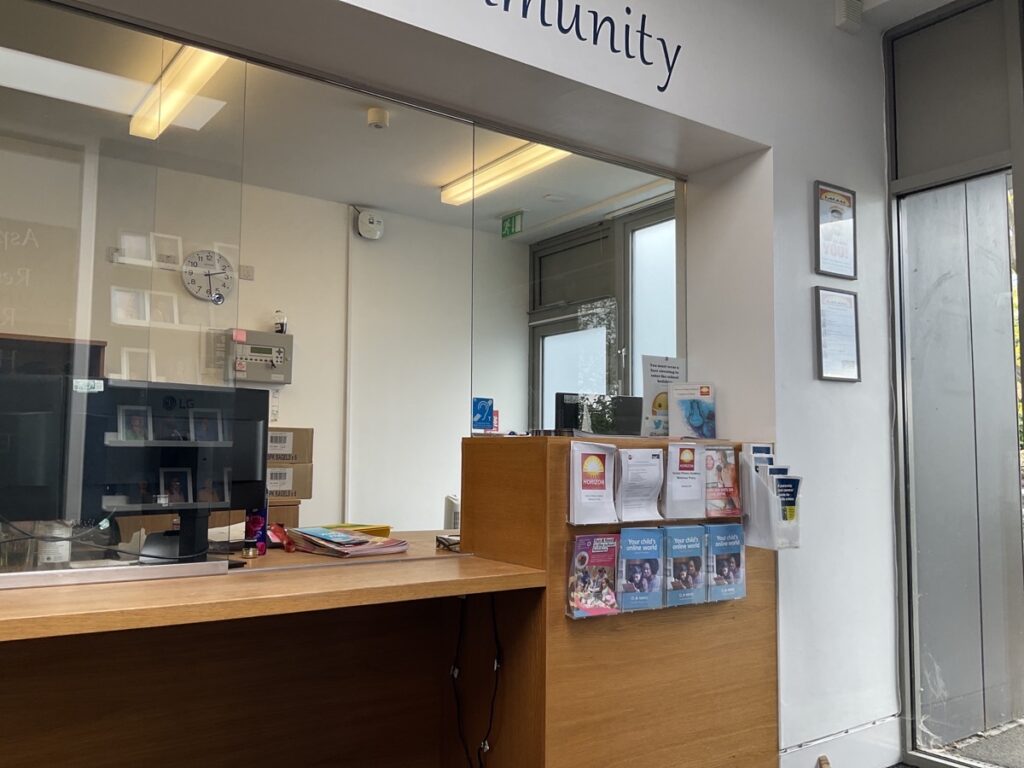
(40,214)
(412,320)
(409,367)
(729,306)
(299,247)
(780,73)
(501,338)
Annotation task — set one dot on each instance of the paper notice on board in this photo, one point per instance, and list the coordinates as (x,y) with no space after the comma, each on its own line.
(660,373)
(640,480)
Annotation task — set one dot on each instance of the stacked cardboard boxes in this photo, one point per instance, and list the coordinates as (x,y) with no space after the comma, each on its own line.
(289,465)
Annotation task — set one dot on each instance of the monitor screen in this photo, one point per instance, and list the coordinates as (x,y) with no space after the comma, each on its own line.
(599,414)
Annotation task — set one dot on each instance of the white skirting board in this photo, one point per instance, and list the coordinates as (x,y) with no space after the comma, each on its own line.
(874,747)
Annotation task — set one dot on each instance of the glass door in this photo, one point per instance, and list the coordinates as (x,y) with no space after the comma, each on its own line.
(961,373)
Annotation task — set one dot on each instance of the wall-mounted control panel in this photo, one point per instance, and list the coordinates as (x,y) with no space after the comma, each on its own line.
(259,357)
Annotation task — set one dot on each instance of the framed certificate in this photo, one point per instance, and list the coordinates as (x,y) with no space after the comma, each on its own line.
(835,247)
(837,329)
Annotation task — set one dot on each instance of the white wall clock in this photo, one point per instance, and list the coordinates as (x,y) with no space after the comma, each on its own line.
(208,276)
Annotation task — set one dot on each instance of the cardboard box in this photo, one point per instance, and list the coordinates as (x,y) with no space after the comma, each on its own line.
(290,444)
(288,480)
(287,514)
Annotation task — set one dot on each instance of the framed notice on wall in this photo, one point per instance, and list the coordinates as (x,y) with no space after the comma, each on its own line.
(838,334)
(835,248)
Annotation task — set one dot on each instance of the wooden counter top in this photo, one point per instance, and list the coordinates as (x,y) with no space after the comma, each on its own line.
(281,583)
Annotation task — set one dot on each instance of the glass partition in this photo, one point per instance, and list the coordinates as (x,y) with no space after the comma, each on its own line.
(165,209)
(121,161)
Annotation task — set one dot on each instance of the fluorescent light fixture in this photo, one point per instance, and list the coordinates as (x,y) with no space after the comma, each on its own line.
(27,72)
(182,79)
(504,170)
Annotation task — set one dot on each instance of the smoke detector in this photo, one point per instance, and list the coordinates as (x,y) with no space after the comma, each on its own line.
(849,15)
(378,118)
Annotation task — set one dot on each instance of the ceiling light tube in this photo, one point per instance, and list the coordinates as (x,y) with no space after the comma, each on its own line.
(182,79)
(504,170)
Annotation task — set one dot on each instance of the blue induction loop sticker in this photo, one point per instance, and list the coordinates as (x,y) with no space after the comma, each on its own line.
(483,413)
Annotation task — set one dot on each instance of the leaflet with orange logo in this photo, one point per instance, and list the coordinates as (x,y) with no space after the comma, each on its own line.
(592,484)
(683,496)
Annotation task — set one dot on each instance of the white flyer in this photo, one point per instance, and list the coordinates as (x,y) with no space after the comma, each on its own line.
(591,483)
(660,373)
(640,480)
(684,482)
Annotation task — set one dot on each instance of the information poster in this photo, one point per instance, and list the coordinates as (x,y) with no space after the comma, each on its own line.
(837,233)
(838,335)
(660,373)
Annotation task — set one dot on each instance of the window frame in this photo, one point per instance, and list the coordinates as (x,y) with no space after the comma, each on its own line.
(547,320)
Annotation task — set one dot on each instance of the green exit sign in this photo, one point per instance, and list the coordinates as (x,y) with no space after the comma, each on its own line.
(512,224)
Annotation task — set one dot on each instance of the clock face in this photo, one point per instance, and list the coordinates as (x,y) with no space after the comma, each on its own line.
(208,276)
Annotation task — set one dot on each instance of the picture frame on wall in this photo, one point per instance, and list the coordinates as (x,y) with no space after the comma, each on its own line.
(129,306)
(167,251)
(837,331)
(214,491)
(134,423)
(205,425)
(835,241)
(163,308)
(176,484)
(133,249)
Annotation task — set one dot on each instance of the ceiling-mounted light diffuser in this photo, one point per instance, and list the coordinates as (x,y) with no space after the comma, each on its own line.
(186,74)
(504,170)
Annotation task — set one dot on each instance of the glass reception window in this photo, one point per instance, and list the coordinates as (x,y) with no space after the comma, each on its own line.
(653,295)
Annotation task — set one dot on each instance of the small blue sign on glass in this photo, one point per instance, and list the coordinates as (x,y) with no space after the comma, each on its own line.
(483,413)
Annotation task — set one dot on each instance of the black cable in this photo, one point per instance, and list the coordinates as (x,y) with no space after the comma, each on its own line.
(455,680)
(46,537)
(92,529)
(12,541)
(485,745)
(141,554)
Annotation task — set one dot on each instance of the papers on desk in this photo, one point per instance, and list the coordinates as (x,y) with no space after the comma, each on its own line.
(339,543)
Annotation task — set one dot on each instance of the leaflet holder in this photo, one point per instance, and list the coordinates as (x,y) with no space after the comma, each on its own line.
(765,525)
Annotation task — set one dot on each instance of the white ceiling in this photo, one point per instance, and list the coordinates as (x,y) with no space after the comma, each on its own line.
(294,134)
(886,14)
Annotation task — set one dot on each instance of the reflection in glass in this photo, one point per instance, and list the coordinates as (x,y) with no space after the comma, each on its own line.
(574,362)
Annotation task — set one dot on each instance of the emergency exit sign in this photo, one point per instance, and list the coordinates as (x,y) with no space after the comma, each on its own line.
(512,224)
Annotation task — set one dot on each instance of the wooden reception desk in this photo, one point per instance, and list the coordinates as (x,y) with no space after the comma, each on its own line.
(692,686)
(322,662)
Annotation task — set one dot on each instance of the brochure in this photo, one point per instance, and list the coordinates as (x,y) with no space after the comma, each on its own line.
(328,541)
(722,490)
(726,563)
(683,498)
(684,565)
(641,556)
(592,567)
(787,488)
(691,411)
(758,449)
(592,486)
(660,373)
(641,475)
